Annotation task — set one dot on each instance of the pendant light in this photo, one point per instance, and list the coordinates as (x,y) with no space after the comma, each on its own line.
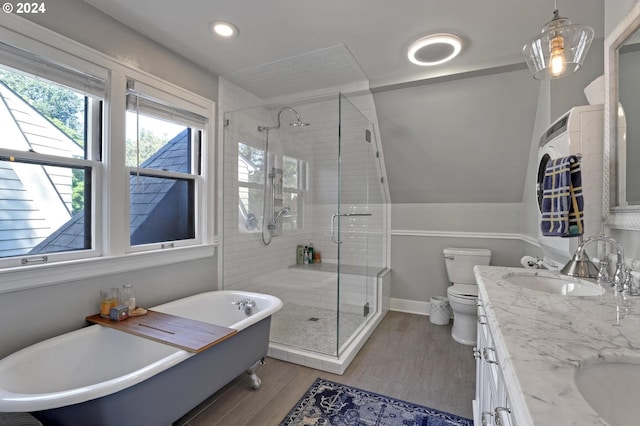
(560,47)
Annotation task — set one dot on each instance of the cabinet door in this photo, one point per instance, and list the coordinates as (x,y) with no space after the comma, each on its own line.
(479,380)
(477,354)
(484,381)
(492,399)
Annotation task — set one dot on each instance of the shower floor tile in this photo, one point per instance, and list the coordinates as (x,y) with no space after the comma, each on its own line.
(312,329)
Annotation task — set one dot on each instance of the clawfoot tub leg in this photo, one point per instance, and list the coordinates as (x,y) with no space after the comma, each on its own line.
(251,371)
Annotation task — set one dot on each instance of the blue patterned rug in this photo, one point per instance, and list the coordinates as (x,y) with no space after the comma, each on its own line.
(327,403)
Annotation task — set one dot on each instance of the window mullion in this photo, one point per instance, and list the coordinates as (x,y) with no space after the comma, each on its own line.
(115,195)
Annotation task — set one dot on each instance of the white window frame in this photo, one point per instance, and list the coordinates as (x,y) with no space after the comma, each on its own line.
(111,184)
(249,186)
(300,191)
(174,109)
(47,68)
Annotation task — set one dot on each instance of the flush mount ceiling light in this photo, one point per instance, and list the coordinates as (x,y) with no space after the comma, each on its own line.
(224,29)
(434,49)
(560,47)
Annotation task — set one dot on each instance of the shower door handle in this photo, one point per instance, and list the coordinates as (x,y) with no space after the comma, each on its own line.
(333,219)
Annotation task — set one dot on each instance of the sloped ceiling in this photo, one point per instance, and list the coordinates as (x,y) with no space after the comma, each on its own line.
(377,32)
(451,134)
(459,141)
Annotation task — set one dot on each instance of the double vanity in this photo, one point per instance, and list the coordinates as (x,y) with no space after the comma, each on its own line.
(555,350)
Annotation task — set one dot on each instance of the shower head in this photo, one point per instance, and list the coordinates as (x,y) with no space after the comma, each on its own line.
(297,123)
(284,212)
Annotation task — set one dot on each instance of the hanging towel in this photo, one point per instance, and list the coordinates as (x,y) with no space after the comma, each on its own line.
(562,201)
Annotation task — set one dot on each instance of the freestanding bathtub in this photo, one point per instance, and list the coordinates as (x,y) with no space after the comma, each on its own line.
(100,376)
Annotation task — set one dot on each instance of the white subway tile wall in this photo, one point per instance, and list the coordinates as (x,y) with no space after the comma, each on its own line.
(364,238)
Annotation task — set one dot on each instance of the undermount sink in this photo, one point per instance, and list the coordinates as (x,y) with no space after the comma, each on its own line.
(611,388)
(554,283)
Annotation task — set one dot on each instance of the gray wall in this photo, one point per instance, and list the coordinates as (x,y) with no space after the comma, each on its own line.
(421,231)
(481,180)
(614,12)
(568,91)
(463,140)
(29,316)
(32,315)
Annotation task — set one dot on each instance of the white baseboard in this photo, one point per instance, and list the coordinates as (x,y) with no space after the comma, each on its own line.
(410,306)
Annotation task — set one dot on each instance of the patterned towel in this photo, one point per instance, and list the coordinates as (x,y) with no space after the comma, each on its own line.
(562,201)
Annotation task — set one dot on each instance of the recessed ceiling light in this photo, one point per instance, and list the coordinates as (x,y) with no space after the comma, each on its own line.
(224,29)
(434,49)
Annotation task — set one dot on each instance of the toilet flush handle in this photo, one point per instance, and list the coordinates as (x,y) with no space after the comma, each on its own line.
(449,257)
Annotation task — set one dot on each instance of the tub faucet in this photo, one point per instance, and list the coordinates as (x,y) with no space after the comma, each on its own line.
(247,304)
(580,266)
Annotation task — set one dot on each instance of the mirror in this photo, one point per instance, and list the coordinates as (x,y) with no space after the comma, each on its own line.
(622,124)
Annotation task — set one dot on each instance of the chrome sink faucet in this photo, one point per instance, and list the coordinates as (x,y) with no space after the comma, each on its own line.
(580,265)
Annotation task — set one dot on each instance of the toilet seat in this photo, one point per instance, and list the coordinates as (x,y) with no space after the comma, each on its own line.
(466,295)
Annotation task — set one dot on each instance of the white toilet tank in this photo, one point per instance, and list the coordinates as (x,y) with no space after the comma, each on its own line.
(460,263)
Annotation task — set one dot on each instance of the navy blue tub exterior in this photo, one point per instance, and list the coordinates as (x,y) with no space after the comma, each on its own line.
(169,395)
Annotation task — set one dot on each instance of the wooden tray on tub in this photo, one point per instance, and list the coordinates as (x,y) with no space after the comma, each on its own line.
(183,333)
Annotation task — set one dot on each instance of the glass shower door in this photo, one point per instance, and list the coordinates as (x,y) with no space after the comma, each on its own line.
(352,221)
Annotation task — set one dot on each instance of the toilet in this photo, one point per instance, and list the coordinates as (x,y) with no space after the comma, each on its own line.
(464,291)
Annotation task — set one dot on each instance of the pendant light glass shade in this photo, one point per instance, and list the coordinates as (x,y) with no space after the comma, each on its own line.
(560,47)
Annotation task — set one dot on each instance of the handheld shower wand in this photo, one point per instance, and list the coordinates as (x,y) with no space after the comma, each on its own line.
(284,212)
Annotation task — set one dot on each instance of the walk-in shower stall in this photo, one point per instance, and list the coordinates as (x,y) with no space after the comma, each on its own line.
(301,175)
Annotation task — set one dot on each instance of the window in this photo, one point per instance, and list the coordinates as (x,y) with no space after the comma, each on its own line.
(163,148)
(49,159)
(294,185)
(251,180)
(250,187)
(69,189)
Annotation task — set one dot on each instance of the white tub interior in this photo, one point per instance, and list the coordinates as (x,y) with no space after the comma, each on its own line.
(78,366)
(217,307)
(80,359)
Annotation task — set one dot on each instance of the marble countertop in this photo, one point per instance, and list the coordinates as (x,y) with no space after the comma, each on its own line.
(541,340)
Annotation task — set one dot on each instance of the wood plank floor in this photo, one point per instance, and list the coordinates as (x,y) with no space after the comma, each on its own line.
(407,358)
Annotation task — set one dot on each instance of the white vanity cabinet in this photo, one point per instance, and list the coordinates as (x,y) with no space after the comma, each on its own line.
(491,406)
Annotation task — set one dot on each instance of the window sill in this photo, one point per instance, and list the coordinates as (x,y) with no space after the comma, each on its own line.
(22,278)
